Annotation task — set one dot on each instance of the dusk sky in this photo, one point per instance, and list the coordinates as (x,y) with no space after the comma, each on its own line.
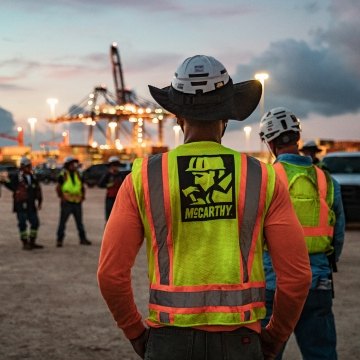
(61,49)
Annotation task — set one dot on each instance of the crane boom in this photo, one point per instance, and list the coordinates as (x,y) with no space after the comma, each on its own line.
(118,74)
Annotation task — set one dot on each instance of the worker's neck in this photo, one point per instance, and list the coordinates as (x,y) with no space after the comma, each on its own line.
(196,137)
(292,149)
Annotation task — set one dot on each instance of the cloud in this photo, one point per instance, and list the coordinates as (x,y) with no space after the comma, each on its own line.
(322,77)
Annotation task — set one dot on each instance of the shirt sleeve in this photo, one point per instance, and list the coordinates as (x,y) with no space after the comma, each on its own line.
(285,240)
(339,228)
(122,239)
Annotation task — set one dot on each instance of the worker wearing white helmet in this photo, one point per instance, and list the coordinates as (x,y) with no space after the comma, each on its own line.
(111,181)
(71,191)
(27,200)
(204,210)
(317,201)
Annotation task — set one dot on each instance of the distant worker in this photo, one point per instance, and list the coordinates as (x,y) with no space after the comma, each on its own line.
(317,202)
(27,200)
(311,149)
(112,181)
(204,210)
(71,191)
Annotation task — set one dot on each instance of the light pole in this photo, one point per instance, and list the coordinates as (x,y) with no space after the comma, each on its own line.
(52,102)
(247,130)
(177,129)
(112,125)
(262,77)
(32,121)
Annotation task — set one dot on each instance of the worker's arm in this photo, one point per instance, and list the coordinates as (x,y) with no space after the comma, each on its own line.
(285,241)
(339,228)
(121,242)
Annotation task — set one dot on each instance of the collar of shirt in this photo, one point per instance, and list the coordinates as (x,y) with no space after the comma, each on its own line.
(295,159)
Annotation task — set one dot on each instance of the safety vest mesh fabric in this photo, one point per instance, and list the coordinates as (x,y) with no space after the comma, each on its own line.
(71,188)
(203,272)
(312,195)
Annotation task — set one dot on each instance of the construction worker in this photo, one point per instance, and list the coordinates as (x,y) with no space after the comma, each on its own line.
(112,181)
(205,269)
(27,200)
(311,149)
(316,198)
(71,191)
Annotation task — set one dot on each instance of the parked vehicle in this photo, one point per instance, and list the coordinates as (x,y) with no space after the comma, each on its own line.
(94,173)
(46,173)
(345,168)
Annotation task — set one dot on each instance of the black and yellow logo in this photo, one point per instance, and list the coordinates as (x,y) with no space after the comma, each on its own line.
(207,187)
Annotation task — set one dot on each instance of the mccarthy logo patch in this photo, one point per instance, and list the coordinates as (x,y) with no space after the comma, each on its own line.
(207,187)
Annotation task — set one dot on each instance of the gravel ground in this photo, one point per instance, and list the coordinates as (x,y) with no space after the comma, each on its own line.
(51,308)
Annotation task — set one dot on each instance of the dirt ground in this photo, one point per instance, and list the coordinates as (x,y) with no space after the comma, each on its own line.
(51,308)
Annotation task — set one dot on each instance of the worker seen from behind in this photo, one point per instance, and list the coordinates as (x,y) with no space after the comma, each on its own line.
(205,211)
(316,198)
(27,200)
(71,191)
(112,181)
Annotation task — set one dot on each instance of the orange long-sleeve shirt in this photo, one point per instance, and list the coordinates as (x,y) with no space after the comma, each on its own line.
(124,236)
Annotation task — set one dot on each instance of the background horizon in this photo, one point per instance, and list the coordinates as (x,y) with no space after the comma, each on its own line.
(61,49)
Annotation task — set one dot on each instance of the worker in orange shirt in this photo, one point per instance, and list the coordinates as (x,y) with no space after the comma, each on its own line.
(206,212)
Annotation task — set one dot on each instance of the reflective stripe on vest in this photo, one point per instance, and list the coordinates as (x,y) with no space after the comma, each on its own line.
(323,228)
(186,299)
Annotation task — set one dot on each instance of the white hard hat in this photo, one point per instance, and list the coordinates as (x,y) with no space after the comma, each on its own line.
(200,74)
(277,121)
(24,161)
(113,160)
(202,89)
(70,159)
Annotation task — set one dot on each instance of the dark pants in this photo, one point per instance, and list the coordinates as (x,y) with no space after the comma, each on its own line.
(67,209)
(170,343)
(109,203)
(315,331)
(24,217)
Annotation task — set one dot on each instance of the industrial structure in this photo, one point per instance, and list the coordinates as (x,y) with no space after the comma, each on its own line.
(123,118)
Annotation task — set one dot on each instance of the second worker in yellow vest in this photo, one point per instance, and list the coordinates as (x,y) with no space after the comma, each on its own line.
(71,191)
(316,199)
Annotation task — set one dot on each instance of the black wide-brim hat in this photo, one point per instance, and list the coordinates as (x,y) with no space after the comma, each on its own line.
(232,101)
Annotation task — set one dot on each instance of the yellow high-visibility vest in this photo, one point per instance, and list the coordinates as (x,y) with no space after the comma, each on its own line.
(72,190)
(312,196)
(203,208)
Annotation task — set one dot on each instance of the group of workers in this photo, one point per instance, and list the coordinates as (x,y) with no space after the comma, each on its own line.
(240,253)
(27,198)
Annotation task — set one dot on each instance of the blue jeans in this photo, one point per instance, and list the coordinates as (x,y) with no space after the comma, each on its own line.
(315,331)
(173,343)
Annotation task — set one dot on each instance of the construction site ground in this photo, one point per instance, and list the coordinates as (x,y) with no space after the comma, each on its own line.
(51,307)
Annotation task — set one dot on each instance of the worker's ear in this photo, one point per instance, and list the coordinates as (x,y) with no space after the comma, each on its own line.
(180,122)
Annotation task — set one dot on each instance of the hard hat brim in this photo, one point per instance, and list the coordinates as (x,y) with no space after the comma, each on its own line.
(233,101)
(315,148)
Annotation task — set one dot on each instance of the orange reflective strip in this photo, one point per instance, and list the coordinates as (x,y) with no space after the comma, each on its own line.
(158,215)
(264,181)
(241,202)
(280,171)
(167,205)
(145,182)
(319,231)
(251,207)
(196,288)
(207,309)
(322,185)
